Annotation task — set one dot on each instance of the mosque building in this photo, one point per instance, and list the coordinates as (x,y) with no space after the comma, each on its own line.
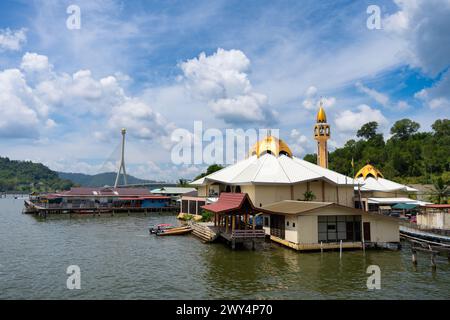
(303,205)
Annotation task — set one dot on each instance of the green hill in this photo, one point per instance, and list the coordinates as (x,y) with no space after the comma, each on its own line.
(98,180)
(26,176)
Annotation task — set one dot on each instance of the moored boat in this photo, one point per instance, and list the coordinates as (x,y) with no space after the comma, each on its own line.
(174,231)
(161,226)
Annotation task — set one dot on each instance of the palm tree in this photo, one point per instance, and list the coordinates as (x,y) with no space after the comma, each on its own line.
(309,196)
(441,191)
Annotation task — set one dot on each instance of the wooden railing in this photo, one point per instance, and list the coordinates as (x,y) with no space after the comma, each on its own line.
(247,234)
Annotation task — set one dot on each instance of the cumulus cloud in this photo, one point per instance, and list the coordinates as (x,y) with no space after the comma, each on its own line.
(221,80)
(12,39)
(350,121)
(21,111)
(425,26)
(299,142)
(34,62)
(437,96)
(312,101)
(31,95)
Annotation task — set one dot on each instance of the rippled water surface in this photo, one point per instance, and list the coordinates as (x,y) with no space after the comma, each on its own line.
(119,259)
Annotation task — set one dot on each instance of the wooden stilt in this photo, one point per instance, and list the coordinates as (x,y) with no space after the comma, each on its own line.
(414,257)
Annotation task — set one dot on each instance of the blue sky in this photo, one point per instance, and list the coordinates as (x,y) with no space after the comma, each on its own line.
(155,66)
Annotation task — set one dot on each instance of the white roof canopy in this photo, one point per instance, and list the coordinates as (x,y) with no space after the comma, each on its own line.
(381,184)
(270,169)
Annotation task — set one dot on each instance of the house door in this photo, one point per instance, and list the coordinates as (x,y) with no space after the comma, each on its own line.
(366,231)
(277,226)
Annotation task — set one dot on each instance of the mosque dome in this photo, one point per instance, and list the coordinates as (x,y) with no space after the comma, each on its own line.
(272,145)
(369,171)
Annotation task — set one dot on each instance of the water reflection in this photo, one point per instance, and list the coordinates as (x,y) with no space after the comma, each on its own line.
(119,259)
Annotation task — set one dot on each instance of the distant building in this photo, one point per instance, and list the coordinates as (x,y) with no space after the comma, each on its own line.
(93,199)
(375,193)
(174,193)
(434,217)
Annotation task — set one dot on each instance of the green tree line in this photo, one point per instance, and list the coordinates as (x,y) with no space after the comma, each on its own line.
(408,156)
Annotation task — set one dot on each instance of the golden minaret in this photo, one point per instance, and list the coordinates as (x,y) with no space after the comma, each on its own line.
(321,135)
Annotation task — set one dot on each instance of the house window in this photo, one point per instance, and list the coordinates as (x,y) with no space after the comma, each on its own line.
(337,228)
(293,224)
(287,223)
(266,221)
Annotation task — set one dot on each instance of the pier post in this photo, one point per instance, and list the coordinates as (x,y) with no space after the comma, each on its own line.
(321,247)
(414,257)
(433,261)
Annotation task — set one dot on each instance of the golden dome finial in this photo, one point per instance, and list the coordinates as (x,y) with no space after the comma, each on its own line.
(369,171)
(321,116)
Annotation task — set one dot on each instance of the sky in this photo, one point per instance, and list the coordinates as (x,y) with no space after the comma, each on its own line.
(156,67)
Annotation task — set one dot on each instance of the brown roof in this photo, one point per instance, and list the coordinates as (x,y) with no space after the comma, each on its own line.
(298,207)
(295,207)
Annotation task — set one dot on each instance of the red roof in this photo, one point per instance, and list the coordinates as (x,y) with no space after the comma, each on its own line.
(229,202)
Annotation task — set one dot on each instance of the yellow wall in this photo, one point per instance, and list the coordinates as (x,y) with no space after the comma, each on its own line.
(381,229)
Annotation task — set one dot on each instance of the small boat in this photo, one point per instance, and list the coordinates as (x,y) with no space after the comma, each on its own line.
(174,231)
(161,226)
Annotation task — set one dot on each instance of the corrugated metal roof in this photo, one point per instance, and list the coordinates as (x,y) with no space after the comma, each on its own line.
(295,207)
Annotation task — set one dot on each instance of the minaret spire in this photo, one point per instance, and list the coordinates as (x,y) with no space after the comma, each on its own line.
(321,135)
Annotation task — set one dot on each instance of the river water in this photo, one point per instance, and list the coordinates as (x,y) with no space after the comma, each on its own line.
(119,259)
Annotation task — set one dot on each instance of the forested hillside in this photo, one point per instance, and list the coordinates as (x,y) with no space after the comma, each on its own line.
(27,176)
(408,156)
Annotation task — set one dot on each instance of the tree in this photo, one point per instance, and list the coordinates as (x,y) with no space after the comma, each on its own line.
(403,129)
(309,196)
(441,191)
(441,128)
(211,169)
(311,158)
(368,130)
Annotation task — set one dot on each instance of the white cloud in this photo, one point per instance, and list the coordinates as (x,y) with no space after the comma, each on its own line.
(311,101)
(28,98)
(350,121)
(221,80)
(299,142)
(21,111)
(139,119)
(425,26)
(12,39)
(437,96)
(377,96)
(34,62)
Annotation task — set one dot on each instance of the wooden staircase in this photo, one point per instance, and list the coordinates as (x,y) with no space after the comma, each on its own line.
(203,231)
